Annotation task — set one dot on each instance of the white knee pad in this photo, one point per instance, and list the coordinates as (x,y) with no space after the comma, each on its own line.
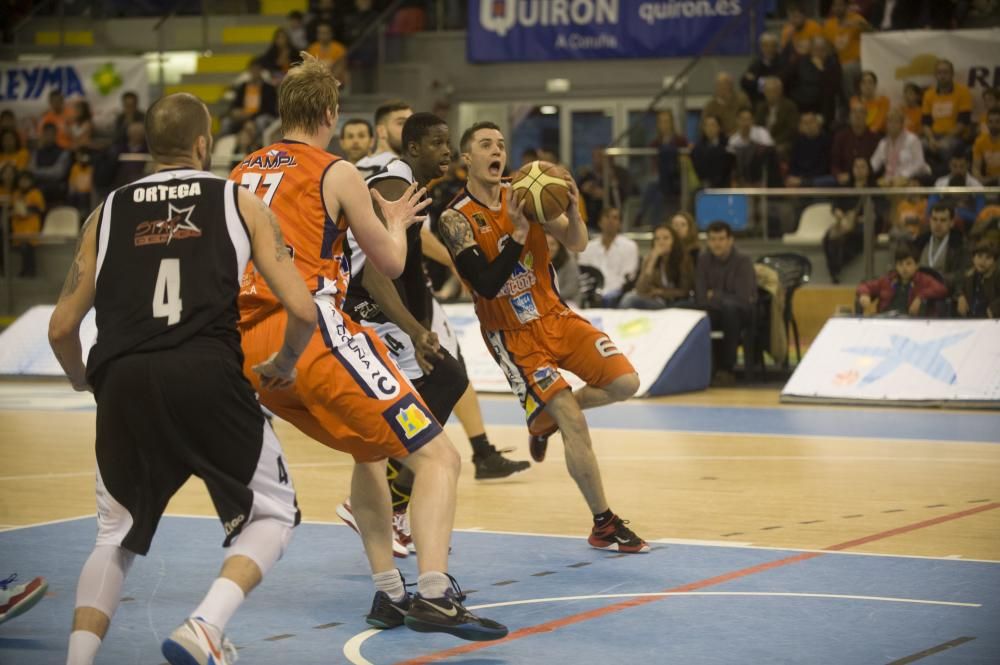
(103,577)
(263,541)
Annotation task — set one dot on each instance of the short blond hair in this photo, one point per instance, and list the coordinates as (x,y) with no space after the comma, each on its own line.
(305,95)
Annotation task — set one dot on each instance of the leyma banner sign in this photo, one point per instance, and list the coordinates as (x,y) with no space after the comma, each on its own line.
(525,30)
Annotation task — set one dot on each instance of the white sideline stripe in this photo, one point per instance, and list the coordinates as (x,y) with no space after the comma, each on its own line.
(352,648)
(67,519)
(79,474)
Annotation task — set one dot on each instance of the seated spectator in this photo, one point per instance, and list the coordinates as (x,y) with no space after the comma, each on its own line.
(127,170)
(27,210)
(913,108)
(907,220)
(591,183)
(247,141)
(8,121)
(712,161)
(941,247)
(778,115)
(296,30)
(59,116)
(687,231)
(985,151)
(966,206)
(726,102)
(329,51)
(323,13)
(876,106)
(753,151)
(978,290)
(50,164)
(843,29)
(667,274)
(947,115)
(903,291)
(844,240)
(567,270)
(809,163)
(256,100)
(8,183)
(899,157)
(356,139)
(12,151)
(80,186)
(769,63)
(991,100)
(725,286)
(851,142)
(616,256)
(81,126)
(797,33)
(130,113)
(814,82)
(279,56)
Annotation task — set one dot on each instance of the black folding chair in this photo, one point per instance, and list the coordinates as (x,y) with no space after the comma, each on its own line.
(793,271)
(591,286)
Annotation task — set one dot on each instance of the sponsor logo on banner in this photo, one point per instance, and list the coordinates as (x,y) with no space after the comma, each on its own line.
(903,350)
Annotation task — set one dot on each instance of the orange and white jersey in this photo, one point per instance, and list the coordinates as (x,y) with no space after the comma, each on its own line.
(288,177)
(530,291)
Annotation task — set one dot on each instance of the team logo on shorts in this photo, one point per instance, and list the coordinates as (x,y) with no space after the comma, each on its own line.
(480,220)
(606,347)
(411,422)
(545,377)
(530,406)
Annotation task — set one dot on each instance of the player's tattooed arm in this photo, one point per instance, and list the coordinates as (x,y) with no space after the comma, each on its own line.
(280,248)
(72,281)
(455,231)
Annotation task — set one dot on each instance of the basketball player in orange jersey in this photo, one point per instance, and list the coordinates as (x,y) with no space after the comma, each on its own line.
(349,394)
(529,330)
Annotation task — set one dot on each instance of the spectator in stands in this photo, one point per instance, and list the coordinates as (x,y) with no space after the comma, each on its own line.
(247,140)
(255,99)
(913,108)
(726,287)
(81,126)
(851,142)
(50,164)
(985,151)
(130,113)
(906,220)
(11,150)
(778,115)
(8,183)
(567,270)
(947,115)
(769,63)
(809,162)
(727,102)
(58,115)
(323,14)
(978,290)
(364,58)
(712,161)
(669,142)
(356,139)
(753,151)
(280,55)
(9,121)
(876,106)
(941,247)
(687,232)
(844,240)
(80,186)
(27,211)
(616,256)
(814,82)
(903,290)
(965,206)
(296,29)
(991,100)
(899,158)
(328,50)
(129,169)
(591,183)
(667,275)
(798,33)
(843,29)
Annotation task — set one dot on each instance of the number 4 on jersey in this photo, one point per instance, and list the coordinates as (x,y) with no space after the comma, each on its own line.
(167,292)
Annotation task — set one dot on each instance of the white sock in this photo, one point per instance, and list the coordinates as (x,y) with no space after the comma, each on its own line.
(433,584)
(220,603)
(392,583)
(83,646)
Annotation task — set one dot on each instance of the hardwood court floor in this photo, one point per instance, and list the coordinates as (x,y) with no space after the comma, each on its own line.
(698,482)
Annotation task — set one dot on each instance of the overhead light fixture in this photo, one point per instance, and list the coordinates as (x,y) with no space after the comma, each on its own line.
(548,109)
(557,85)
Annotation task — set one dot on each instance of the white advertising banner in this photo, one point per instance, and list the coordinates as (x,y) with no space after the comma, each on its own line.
(25,86)
(934,361)
(898,58)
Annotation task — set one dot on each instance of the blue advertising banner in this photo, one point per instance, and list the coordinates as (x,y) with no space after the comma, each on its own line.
(526,30)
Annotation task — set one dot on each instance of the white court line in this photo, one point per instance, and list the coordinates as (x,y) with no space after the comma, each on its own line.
(352,648)
(79,474)
(67,519)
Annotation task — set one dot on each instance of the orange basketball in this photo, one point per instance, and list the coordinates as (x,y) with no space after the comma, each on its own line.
(545,187)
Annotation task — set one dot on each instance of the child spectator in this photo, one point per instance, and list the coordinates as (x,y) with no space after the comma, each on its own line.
(11,150)
(80,189)
(985,151)
(876,106)
(913,108)
(903,290)
(978,290)
(667,274)
(27,209)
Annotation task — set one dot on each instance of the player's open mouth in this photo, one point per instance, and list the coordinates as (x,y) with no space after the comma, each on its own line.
(495,167)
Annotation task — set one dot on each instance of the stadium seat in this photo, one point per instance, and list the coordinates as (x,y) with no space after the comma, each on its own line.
(813,224)
(794,271)
(222,153)
(733,209)
(61,222)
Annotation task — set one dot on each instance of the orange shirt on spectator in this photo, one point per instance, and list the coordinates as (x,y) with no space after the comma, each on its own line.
(911,209)
(330,54)
(63,138)
(914,116)
(81,178)
(987,149)
(27,209)
(845,36)
(800,38)
(251,98)
(944,108)
(18,158)
(876,110)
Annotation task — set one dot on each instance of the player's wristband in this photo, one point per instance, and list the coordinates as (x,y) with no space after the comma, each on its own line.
(488,277)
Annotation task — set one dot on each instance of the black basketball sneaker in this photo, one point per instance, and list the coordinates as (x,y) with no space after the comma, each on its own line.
(448,615)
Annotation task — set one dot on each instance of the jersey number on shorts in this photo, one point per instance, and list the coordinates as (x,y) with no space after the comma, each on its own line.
(271,180)
(167,292)
(394,344)
(282,471)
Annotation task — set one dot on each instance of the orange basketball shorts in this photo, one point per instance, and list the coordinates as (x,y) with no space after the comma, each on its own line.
(531,357)
(349,394)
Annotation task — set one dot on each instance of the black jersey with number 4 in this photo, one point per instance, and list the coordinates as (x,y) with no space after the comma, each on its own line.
(171,248)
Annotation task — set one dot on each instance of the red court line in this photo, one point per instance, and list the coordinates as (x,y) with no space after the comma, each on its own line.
(550,626)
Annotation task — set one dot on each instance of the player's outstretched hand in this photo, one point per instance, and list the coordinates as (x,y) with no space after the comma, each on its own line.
(573,207)
(517,216)
(273,376)
(405,209)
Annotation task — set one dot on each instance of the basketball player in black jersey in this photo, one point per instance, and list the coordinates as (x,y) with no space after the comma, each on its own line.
(160,260)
